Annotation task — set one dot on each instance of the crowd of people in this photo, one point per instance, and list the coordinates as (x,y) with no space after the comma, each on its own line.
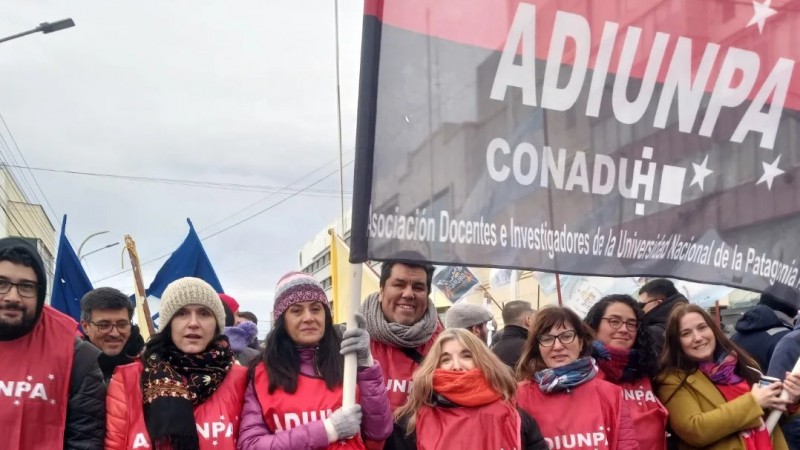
(656,373)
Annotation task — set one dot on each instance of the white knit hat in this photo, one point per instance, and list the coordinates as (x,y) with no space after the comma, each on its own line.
(189,291)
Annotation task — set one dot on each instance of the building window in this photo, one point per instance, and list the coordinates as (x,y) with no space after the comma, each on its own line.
(327,283)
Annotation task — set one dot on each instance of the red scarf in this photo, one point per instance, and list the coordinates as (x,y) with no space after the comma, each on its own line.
(468,388)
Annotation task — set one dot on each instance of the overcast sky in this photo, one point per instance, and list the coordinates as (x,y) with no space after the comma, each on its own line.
(241,92)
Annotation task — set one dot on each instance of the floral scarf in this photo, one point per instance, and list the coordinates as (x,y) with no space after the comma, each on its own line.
(173,383)
(565,377)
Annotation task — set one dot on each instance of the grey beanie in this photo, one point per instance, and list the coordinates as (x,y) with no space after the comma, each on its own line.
(189,291)
(465,315)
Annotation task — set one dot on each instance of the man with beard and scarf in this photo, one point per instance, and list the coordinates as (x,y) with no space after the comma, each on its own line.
(106,315)
(403,324)
(53,393)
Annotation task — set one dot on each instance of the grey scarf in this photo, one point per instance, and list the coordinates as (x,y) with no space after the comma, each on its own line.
(396,334)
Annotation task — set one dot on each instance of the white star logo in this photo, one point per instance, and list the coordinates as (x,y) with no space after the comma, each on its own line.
(221,417)
(701,171)
(770,172)
(16,402)
(51,377)
(52,401)
(29,378)
(214,443)
(761,11)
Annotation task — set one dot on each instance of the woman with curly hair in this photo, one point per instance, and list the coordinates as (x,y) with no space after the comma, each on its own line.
(462,396)
(626,357)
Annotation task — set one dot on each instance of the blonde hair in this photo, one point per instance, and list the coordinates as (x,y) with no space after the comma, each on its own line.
(496,373)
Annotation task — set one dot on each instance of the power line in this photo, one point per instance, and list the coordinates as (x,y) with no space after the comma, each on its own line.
(272,205)
(239,222)
(25,162)
(184,182)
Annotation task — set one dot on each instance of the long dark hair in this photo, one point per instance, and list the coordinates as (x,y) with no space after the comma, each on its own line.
(673,359)
(158,342)
(546,319)
(647,362)
(281,358)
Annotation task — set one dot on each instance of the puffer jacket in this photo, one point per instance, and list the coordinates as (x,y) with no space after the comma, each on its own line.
(376,423)
(217,418)
(86,407)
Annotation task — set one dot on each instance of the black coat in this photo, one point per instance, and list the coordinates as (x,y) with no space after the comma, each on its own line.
(758,332)
(86,406)
(655,321)
(509,347)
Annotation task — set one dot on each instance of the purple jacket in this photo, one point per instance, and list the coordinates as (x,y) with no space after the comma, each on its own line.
(376,422)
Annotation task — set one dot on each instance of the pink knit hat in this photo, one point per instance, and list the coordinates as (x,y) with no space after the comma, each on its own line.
(296,287)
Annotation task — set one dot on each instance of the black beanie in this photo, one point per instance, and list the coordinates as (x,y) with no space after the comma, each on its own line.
(20,251)
(781,297)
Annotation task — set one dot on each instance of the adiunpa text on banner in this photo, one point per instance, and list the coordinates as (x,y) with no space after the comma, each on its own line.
(735,83)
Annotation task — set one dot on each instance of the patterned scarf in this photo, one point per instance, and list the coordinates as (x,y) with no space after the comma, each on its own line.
(618,365)
(173,383)
(565,377)
(395,334)
(722,369)
(464,388)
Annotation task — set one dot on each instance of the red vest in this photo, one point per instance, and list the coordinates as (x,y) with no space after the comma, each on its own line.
(495,426)
(311,401)
(648,414)
(34,383)
(217,418)
(586,417)
(398,369)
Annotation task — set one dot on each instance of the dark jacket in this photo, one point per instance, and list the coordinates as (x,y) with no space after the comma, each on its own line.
(759,330)
(532,438)
(785,356)
(130,352)
(655,321)
(86,407)
(509,347)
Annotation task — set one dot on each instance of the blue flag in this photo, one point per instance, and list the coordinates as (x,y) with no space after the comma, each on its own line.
(70,282)
(189,260)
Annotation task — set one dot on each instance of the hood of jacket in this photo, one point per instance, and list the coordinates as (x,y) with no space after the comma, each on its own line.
(762,318)
(11,248)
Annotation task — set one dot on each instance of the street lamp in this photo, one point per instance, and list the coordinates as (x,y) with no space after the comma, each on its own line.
(80,247)
(44,28)
(80,258)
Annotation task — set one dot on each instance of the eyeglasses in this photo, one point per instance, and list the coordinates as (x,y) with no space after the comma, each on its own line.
(105,327)
(24,289)
(565,337)
(651,301)
(616,322)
